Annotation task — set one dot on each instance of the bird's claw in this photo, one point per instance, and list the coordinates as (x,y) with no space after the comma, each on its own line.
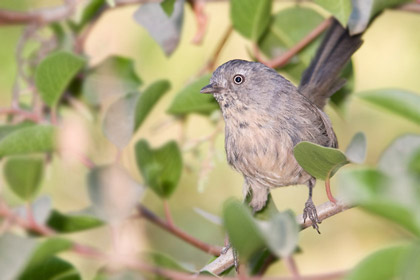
(225,249)
(234,254)
(311,213)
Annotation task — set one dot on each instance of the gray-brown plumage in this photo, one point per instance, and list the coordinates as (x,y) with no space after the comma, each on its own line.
(266,116)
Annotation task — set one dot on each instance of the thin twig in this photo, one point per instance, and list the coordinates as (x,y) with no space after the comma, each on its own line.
(285,57)
(201,19)
(324,210)
(40,16)
(23,223)
(410,7)
(168,214)
(150,216)
(22,113)
(210,65)
(291,266)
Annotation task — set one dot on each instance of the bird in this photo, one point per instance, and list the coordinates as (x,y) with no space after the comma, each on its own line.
(266,116)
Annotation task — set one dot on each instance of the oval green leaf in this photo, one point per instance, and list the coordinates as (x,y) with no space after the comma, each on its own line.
(401,102)
(148,98)
(164,29)
(289,26)
(364,10)
(69,223)
(43,263)
(54,74)
(113,77)
(15,252)
(113,192)
(321,162)
(244,233)
(161,168)
(118,124)
(281,233)
(375,192)
(190,100)
(340,9)
(356,150)
(383,264)
(32,139)
(250,17)
(24,175)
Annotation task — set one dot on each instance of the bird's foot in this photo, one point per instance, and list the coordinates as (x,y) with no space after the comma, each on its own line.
(225,249)
(310,212)
(234,254)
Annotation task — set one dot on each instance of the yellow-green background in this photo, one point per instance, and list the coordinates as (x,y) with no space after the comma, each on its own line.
(389,57)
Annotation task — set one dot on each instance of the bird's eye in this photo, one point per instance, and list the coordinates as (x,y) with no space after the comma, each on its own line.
(238,79)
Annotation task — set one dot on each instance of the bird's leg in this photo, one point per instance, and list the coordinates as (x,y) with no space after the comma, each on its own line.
(310,210)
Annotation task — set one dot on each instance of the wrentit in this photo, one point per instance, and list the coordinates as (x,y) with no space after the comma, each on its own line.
(266,116)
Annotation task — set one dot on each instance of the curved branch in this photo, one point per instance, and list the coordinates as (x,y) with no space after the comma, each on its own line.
(283,59)
(149,215)
(41,16)
(324,210)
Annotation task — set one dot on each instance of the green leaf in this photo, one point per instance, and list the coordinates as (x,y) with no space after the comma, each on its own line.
(410,265)
(375,192)
(52,268)
(44,252)
(113,77)
(69,223)
(364,10)
(356,150)
(118,124)
(54,74)
(268,211)
(113,192)
(14,254)
(91,9)
(259,260)
(320,162)
(341,9)
(31,139)
(164,261)
(383,264)
(111,3)
(281,233)
(9,128)
(250,17)
(244,233)
(164,29)
(148,99)
(190,100)
(288,27)
(168,6)
(105,274)
(396,159)
(161,168)
(24,175)
(414,164)
(404,103)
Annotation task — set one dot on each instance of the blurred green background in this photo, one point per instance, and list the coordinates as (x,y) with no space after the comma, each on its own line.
(389,58)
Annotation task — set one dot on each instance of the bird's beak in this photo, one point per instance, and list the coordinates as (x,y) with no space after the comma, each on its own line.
(211,88)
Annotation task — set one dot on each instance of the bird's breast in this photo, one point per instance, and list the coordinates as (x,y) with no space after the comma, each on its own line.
(260,150)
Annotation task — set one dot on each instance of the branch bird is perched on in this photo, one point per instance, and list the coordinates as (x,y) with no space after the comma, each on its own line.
(266,116)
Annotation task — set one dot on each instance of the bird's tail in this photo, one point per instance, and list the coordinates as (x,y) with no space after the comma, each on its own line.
(321,79)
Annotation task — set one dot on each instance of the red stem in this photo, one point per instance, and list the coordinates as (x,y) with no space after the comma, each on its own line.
(328,190)
(149,215)
(283,59)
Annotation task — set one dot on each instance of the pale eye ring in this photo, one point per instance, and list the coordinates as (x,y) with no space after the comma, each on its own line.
(238,79)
